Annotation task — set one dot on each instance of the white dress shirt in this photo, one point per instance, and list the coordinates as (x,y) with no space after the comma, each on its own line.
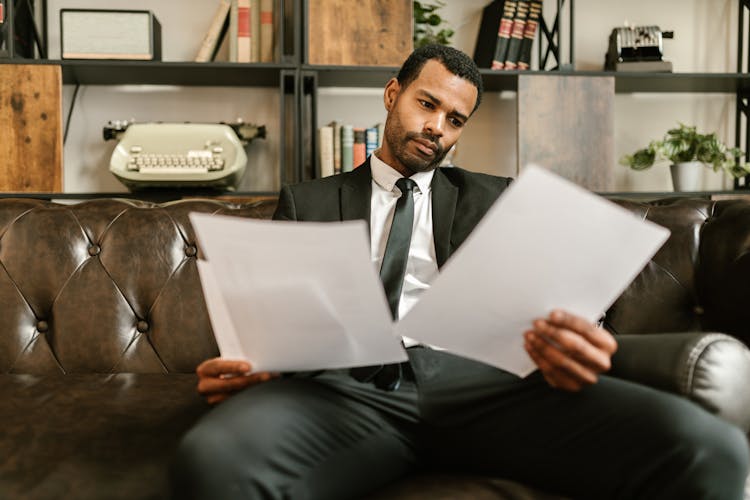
(421,265)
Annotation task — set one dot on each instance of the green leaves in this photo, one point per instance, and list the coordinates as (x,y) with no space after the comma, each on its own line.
(426,22)
(685,144)
(640,160)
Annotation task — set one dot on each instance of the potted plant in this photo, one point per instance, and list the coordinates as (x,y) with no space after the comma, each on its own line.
(688,151)
(427,24)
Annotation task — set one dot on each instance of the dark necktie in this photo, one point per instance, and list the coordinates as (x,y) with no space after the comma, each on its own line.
(393,268)
(392,272)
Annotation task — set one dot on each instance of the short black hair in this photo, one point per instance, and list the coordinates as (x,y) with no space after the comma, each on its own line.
(454,61)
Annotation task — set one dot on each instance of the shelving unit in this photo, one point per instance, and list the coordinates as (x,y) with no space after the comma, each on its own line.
(497,81)
(298,82)
(743,94)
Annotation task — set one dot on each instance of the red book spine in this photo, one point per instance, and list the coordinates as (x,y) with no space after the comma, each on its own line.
(266,31)
(516,36)
(503,34)
(529,32)
(243,31)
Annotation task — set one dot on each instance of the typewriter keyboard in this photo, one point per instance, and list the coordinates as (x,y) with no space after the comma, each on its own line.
(200,161)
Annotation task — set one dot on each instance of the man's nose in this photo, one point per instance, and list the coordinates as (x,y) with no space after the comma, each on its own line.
(435,125)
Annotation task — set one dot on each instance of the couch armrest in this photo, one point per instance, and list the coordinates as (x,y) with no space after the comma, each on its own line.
(712,369)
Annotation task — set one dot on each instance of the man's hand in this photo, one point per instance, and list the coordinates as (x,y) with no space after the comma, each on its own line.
(569,351)
(220,378)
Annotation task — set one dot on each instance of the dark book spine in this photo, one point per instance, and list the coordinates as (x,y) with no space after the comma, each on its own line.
(359,149)
(529,32)
(503,34)
(487,36)
(516,34)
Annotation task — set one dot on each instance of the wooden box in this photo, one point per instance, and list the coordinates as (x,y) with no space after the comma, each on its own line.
(362,33)
(30,128)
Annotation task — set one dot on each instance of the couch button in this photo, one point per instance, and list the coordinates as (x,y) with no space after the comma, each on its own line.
(142,326)
(42,326)
(191,251)
(698,310)
(94,250)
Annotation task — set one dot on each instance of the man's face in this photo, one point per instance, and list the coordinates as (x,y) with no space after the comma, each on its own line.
(425,119)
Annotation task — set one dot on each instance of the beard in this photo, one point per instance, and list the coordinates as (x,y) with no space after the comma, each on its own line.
(398,140)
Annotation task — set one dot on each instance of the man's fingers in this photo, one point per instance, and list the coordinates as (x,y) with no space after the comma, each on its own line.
(216,367)
(599,337)
(575,345)
(555,377)
(211,385)
(559,361)
(227,385)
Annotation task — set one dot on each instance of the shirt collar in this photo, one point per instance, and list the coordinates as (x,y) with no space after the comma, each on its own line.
(386,176)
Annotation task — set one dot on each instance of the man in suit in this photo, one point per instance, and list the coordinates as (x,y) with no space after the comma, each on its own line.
(344,433)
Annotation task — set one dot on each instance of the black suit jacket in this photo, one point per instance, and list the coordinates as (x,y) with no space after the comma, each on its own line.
(459,200)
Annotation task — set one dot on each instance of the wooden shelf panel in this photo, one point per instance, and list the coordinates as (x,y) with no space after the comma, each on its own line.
(728,83)
(171,73)
(496,81)
(86,72)
(352,76)
(634,82)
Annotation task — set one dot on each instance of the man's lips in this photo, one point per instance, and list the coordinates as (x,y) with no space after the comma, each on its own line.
(427,148)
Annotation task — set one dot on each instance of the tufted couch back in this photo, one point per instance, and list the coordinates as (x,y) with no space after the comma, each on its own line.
(700,279)
(103,286)
(109,286)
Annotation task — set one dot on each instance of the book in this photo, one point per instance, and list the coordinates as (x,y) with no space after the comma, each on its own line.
(244,33)
(529,32)
(516,34)
(358,148)
(325,150)
(503,34)
(381,130)
(254,30)
(213,35)
(233,8)
(371,140)
(484,50)
(266,31)
(347,144)
(336,146)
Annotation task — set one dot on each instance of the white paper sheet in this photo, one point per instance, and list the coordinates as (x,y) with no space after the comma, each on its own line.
(545,244)
(290,296)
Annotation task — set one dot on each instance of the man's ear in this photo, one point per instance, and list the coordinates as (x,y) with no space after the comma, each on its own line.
(392,88)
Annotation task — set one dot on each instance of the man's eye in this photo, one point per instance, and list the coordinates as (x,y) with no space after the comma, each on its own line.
(426,104)
(456,122)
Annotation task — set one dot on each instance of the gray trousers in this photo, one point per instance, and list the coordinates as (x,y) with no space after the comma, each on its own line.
(329,436)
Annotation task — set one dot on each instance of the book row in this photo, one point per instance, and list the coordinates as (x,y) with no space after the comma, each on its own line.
(343,147)
(249,26)
(506,34)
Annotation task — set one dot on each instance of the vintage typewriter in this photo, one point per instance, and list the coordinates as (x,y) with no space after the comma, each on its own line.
(180,155)
(637,48)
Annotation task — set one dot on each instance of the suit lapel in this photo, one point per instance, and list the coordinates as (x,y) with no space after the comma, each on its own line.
(444,197)
(356,192)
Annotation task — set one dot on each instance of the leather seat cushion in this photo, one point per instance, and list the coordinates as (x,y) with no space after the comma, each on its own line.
(92,435)
(78,436)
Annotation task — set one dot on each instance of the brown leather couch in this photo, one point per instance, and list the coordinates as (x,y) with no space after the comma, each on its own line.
(103,324)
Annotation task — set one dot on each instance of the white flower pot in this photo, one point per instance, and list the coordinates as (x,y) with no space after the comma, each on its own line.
(687,176)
